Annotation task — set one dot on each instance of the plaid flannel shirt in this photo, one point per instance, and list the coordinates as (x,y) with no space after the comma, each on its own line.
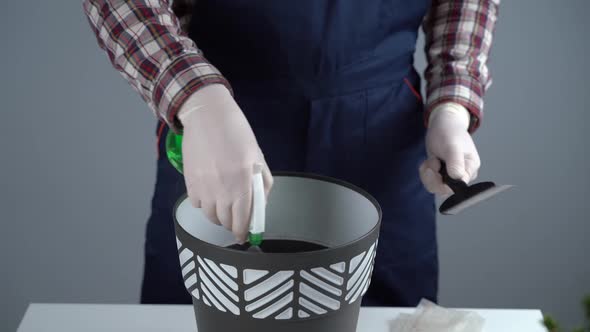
(146,44)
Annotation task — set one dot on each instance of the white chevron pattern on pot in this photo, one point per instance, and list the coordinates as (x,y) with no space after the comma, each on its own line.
(269,295)
(360,270)
(215,284)
(218,286)
(320,290)
(281,295)
(188,269)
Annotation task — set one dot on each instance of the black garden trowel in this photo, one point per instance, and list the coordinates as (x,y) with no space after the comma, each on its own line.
(464,195)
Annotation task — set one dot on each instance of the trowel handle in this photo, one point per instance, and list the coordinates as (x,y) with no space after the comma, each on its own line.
(258,215)
(457,186)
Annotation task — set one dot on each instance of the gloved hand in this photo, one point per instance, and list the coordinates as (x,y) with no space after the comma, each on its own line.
(448,139)
(220,155)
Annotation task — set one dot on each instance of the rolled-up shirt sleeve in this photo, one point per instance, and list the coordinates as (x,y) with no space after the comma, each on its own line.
(458,39)
(145,43)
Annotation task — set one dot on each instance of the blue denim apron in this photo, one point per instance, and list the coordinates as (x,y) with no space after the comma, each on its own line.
(329,87)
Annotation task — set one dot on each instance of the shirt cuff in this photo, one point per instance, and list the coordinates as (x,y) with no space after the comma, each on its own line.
(181,78)
(462,90)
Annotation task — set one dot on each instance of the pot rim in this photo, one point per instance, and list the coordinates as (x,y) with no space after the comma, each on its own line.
(312,176)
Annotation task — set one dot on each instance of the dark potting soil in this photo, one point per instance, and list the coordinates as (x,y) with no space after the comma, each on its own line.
(281,246)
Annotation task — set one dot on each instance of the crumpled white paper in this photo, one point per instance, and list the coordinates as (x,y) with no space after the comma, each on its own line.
(429,317)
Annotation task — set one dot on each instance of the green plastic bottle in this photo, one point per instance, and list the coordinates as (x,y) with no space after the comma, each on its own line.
(174,150)
(174,154)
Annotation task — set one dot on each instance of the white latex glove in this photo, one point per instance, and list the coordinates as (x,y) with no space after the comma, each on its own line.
(448,139)
(220,154)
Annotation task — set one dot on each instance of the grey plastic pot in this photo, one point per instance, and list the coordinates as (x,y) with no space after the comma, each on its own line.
(314,291)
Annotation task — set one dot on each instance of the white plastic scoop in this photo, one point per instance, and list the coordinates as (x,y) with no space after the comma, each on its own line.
(258,215)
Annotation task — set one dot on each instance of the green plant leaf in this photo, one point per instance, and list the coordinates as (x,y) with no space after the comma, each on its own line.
(552,326)
(550,323)
(586,303)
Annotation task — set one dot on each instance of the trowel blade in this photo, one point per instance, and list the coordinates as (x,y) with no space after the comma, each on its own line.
(475,199)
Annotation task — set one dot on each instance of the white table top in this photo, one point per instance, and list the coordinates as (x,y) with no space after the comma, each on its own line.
(142,318)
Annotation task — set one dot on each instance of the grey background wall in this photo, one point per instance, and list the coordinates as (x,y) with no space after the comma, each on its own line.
(77,168)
